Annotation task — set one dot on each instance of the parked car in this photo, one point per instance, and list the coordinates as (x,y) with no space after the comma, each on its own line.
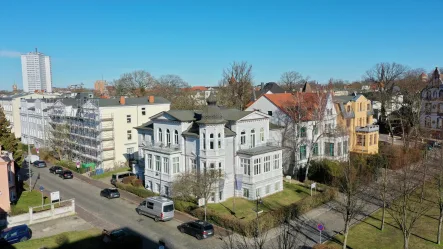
(198,228)
(157,207)
(40,164)
(66,174)
(119,177)
(117,235)
(15,234)
(110,193)
(56,170)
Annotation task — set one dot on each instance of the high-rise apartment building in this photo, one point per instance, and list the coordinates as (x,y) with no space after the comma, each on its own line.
(36,72)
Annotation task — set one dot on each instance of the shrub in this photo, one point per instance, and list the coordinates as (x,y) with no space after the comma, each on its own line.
(61,239)
(128,179)
(323,171)
(139,191)
(184,206)
(137,183)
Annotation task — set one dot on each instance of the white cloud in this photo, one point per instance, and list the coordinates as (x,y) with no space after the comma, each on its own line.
(9,54)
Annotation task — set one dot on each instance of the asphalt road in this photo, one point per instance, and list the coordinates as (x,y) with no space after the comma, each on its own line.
(116,213)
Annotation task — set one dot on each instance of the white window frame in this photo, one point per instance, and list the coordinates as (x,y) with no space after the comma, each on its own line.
(158,163)
(149,159)
(168,137)
(257,166)
(276,161)
(175,165)
(267,164)
(243,137)
(246,164)
(166,165)
(176,137)
(262,134)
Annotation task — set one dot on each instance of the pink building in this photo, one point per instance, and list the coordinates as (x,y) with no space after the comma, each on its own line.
(7,181)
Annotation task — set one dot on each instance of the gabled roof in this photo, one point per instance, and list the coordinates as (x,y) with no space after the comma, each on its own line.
(291,103)
(268,87)
(346,99)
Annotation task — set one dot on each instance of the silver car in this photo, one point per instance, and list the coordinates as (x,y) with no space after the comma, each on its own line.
(159,208)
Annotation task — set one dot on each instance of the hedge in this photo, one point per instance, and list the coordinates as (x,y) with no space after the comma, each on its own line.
(138,191)
(269,219)
(71,165)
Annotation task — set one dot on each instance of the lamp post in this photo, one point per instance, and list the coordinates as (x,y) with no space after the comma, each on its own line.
(29,150)
(258,201)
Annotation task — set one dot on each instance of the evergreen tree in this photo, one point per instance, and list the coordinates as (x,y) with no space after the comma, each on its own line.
(8,140)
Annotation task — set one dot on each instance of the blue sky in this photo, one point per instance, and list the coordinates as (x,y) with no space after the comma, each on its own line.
(197,39)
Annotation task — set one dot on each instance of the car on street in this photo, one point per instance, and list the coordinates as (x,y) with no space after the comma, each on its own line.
(119,177)
(110,193)
(157,207)
(117,235)
(198,228)
(66,174)
(56,170)
(40,164)
(15,234)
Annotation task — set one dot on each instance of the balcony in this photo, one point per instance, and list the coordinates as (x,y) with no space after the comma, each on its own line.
(367,129)
(162,148)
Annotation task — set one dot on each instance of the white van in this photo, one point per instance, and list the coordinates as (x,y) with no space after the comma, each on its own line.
(119,177)
(157,207)
(32,158)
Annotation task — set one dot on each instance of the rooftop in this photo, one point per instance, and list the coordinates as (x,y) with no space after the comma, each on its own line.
(259,150)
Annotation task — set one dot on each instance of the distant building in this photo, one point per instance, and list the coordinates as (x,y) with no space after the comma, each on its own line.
(11,108)
(431,115)
(355,115)
(100,86)
(36,72)
(14,88)
(201,93)
(8,192)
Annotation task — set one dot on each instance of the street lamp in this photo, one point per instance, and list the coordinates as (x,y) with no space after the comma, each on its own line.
(258,201)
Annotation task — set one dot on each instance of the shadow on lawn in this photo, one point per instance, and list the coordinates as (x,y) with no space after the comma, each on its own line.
(133,240)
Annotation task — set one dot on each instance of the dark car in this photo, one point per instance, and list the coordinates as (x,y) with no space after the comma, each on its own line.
(40,164)
(15,234)
(66,174)
(110,193)
(56,170)
(198,228)
(117,235)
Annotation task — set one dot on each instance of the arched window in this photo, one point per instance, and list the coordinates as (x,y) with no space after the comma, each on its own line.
(435,94)
(252,144)
(262,134)
(160,135)
(219,140)
(168,137)
(211,141)
(243,137)
(428,95)
(176,137)
(428,122)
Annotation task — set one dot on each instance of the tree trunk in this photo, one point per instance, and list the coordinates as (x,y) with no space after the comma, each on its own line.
(405,241)
(345,240)
(440,220)
(205,209)
(383,215)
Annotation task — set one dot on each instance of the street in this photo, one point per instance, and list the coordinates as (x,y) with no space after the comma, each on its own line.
(114,213)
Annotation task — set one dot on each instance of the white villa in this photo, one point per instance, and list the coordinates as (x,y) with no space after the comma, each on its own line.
(230,140)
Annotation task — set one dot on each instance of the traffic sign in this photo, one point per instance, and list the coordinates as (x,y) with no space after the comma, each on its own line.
(41,188)
(320,227)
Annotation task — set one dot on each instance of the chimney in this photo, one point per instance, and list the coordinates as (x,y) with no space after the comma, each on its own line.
(151,99)
(122,100)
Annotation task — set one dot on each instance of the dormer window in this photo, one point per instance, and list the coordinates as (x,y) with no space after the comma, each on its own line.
(211,141)
(160,135)
(176,137)
(168,137)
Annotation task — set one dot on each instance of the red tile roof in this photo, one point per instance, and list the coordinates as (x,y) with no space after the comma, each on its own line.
(292,104)
(199,88)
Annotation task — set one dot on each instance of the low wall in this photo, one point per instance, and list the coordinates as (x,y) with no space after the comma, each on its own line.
(66,208)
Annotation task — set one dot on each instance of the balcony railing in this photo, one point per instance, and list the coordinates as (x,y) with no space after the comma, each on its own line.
(368,128)
(162,147)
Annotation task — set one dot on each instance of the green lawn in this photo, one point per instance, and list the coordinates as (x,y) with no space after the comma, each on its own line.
(367,233)
(79,239)
(109,173)
(26,200)
(243,208)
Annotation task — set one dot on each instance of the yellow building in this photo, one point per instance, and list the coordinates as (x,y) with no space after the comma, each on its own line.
(355,115)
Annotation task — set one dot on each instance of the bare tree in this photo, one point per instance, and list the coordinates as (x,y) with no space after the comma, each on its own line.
(351,183)
(175,89)
(291,81)
(439,184)
(385,76)
(134,83)
(58,139)
(287,236)
(236,85)
(201,183)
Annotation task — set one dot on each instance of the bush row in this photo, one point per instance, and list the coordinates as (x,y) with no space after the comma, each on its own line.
(267,220)
(138,191)
(71,165)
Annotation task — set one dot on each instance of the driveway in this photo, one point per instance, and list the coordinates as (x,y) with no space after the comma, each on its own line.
(110,214)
